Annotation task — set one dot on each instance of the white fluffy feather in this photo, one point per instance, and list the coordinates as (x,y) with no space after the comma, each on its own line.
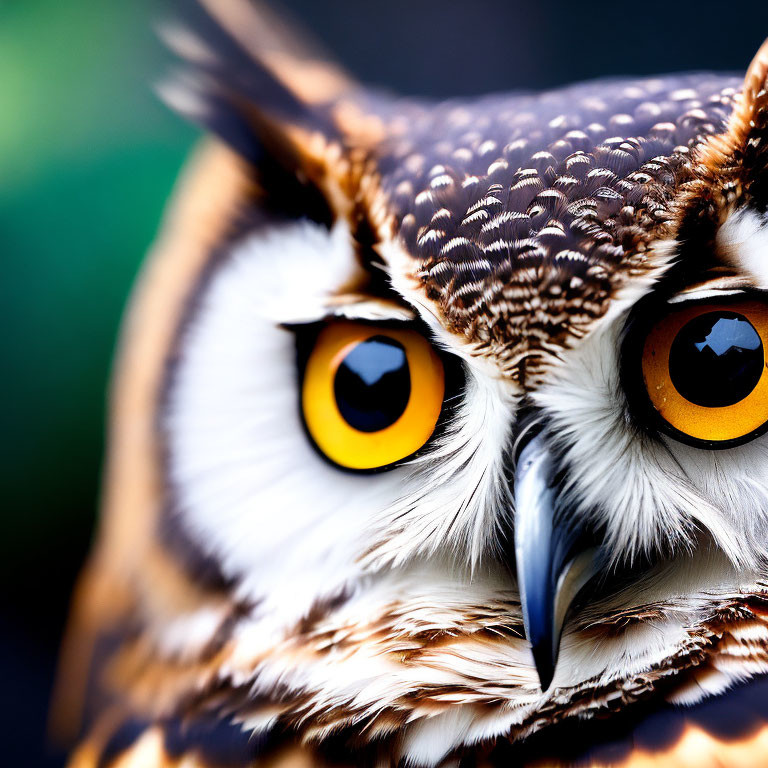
(651,497)
(421,542)
(250,487)
(743,239)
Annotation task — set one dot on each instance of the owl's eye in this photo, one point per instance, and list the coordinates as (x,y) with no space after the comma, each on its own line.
(704,367)
(371,396)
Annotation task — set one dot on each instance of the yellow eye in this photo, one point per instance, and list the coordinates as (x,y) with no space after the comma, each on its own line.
(704,367)
(371,396)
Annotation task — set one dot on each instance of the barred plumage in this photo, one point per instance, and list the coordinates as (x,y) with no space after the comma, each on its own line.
(249,603)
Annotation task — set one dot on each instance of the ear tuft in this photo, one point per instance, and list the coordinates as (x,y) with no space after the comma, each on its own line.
(250,78)
(755,130)
(751,112)
(729,171)
(258,84)
(748,129)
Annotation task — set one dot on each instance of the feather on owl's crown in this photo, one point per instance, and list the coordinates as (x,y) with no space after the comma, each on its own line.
(531,212)
(522,215)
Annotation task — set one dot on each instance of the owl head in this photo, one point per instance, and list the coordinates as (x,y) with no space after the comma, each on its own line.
(436,424)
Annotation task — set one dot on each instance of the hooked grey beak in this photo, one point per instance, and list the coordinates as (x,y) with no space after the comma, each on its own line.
(551,568)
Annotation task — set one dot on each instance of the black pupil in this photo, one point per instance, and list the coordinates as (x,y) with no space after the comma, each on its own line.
(716,359)
(373,384)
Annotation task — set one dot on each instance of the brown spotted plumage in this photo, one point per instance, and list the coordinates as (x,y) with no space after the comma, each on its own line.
(531,212)
(519,232)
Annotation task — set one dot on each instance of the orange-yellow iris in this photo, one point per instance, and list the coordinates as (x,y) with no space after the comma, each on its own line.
(420,379)
(739,416)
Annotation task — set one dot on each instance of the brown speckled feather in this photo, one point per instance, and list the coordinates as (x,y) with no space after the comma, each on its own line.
(516,219)
(538,209)
(517,206)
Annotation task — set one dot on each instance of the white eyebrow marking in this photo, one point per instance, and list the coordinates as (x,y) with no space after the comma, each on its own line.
(743,239)
(370,308)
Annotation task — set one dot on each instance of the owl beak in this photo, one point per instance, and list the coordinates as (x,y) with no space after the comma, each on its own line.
(553,562)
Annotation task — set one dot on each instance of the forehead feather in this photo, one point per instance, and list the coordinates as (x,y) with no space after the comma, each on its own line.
(522,216)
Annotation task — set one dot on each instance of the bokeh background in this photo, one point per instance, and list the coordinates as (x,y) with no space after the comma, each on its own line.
(88,157)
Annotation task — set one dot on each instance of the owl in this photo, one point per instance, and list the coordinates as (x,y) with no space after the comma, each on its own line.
(438,430)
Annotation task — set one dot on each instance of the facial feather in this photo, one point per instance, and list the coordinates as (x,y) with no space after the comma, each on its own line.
(384,605)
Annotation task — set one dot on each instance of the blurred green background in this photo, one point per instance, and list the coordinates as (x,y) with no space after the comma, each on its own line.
(87,159)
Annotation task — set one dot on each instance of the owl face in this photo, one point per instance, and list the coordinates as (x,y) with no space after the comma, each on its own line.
(457,411)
